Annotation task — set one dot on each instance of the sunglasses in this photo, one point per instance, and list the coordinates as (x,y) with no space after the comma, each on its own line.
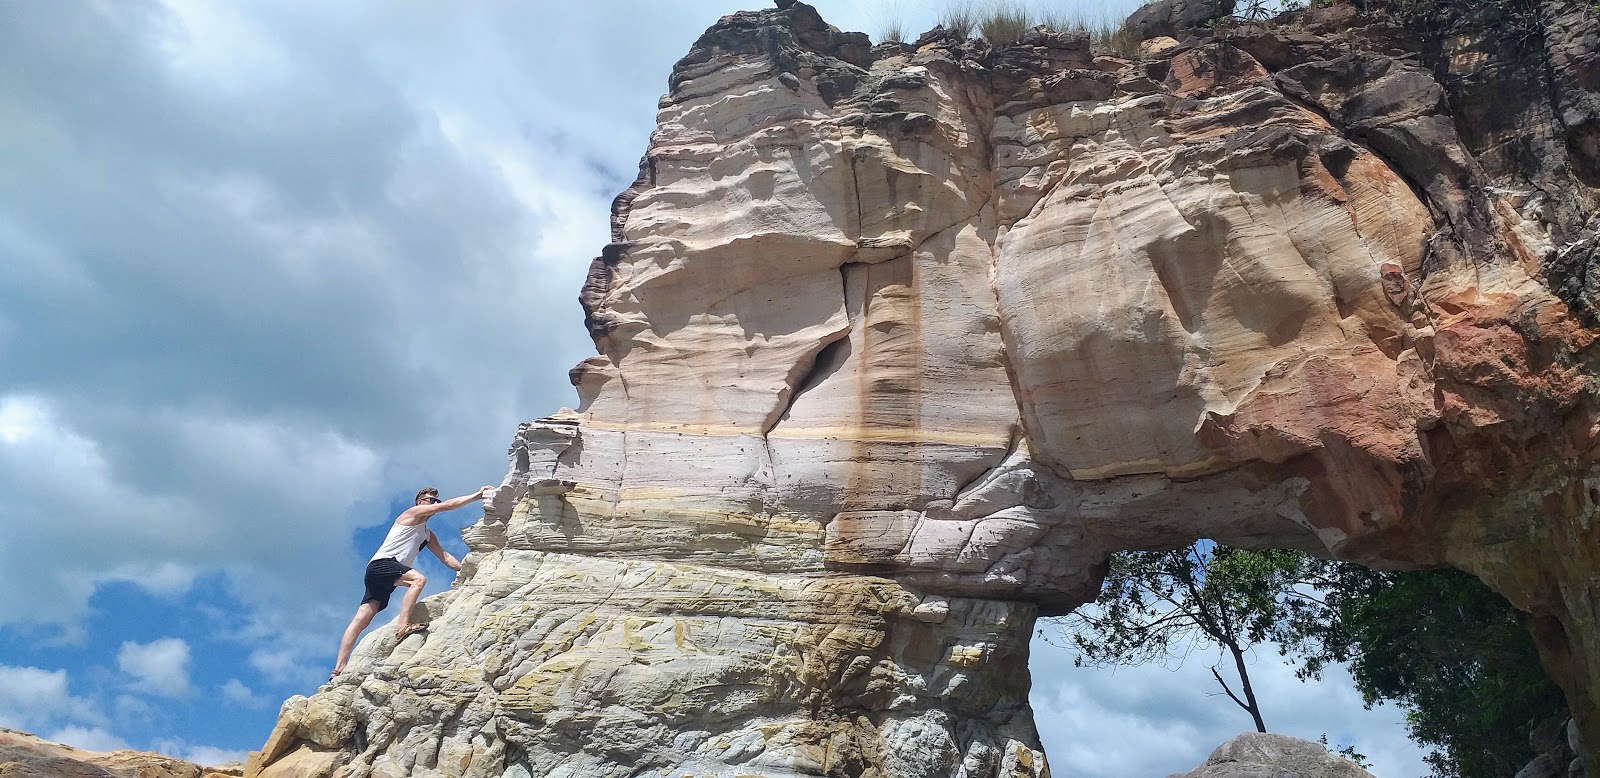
(431,500)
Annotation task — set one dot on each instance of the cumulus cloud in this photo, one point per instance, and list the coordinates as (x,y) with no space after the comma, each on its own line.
(130,709)
(88,738)
(205,756)
(299,295)
(1147,720)
(234,691)
(210,756)
(99,528)
(268,265)
(160,667)
(32,698)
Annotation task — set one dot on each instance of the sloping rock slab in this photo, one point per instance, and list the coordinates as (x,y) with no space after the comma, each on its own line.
(1265,755)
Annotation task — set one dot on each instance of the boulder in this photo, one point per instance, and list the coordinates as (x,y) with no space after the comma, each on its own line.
(1266,755)
(1175,18)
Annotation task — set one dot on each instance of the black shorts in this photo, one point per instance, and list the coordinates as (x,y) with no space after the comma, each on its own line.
(381,575)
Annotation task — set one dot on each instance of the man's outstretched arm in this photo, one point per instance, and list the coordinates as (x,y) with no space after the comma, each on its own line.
(420,513)
(444,556)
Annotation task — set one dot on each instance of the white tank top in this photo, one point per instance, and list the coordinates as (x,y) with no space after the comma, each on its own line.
(403,542)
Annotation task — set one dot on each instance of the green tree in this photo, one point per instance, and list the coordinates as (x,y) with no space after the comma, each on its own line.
(1451,652)
(1440,644)
(1157,606)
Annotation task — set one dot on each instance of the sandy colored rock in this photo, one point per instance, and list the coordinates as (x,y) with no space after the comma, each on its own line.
(893,353)
(1267,755)
(24,756)
(1157,46)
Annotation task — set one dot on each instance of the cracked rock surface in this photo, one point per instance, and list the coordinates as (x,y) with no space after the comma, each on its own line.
(896,345)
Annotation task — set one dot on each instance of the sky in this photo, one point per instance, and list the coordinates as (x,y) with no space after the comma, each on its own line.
(268,265)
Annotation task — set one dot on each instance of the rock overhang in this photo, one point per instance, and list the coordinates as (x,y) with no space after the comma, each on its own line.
(898,344)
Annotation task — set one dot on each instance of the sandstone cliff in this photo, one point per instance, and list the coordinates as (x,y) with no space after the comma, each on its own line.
(897,344)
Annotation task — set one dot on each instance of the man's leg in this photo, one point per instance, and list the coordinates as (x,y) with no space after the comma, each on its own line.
(413,581)
(347,644)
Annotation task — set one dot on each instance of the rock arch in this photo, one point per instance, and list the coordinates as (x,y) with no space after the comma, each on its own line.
(898,344)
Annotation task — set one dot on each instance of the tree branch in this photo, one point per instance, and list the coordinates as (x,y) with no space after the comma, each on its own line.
(1224,685)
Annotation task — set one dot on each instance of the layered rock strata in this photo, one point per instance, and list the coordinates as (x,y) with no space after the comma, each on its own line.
(898,344)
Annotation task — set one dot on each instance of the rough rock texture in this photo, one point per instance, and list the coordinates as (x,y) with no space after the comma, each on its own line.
(897,346)
(24,756)
(1556,743)
(1178,18)
(1265,755)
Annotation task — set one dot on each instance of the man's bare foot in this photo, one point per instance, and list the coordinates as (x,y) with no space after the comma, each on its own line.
(409,630)
(335,673)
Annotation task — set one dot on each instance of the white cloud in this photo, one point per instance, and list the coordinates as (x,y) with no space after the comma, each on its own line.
(160,667)
(130,710)
(371,283)
(162,578)
(209,756)
(32,699)
(257,493)
(334,254)
(22,418)
(236,692)
(88,739)
(245,388)
(205,756)
(218,47)
(1147,720)
(29,695)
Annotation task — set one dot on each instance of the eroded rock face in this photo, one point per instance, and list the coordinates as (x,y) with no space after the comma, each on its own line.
(897,346)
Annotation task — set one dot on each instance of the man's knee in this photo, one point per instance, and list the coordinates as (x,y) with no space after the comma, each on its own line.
(413,578)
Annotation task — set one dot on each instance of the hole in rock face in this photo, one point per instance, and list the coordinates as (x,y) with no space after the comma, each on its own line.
(1594,496)
(1176,680)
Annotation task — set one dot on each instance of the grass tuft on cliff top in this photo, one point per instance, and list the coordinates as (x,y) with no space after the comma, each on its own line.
(1003,22)
(960,17)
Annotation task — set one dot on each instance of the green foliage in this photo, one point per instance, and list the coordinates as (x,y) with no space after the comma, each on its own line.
(1346,751)
(1254,10)
(1516,22)
(1156,606)
(1445,647)
(960,18)
(891,26)
(892,31)
(1106,32)
(1003,22)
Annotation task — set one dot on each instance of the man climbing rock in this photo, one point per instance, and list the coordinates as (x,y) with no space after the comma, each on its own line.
(391,567)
